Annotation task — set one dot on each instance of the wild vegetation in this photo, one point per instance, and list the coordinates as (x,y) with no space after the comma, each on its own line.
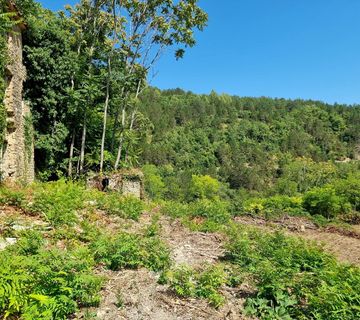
(57,261)
(209,161)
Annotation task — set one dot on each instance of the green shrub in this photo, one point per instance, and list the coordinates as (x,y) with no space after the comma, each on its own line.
(175,209)
(294,279)
(350,190)
(204,187)
(325,201)
(123,251)
(49,285)
(214,210)
(127,207)
(274,206)
(181,280)
(58,201)
(155,254)
(131,251)
(30,242)
(12,197)
(154,184)
(187,282)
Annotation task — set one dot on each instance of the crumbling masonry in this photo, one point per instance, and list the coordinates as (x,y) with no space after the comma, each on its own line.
(17,156)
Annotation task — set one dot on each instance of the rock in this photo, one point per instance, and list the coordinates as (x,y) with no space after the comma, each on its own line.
(7,242)
(18,227)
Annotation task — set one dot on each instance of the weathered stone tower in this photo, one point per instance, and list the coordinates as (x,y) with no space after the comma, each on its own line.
(17,156)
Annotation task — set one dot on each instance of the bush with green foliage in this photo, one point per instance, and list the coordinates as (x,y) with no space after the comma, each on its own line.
(213,210)
(154,184)
(175,209)
(293,279)
(349,189)
(12,196)
(274,206)
(131,251)
(127,207)
(50,284)
(324,201)
(58,201)
(204,187)
(187,282)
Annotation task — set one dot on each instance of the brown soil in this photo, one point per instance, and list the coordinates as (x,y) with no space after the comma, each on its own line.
(191,248)
(135,294)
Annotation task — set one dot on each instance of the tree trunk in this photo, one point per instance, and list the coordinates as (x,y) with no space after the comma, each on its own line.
(130,129)
(105,116)
(71,155)
(118,158)
(82,150)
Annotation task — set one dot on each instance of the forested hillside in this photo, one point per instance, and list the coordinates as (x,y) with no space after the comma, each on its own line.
(246,142)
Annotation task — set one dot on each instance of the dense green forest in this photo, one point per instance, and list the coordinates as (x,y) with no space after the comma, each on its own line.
(215,167)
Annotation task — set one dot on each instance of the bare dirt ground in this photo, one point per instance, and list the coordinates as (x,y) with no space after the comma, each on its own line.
(344,244)
(142,298)
(136,294)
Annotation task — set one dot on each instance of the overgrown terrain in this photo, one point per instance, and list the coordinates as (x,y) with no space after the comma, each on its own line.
(72,252)
(252,205)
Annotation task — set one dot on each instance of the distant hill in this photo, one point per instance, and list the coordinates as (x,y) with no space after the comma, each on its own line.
(245,141)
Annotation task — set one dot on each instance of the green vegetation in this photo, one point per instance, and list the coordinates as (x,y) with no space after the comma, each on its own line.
(130,251)
(289,278)
(46,284)
(50,272)
(207,159)
(294,279)
(127,207)
(201,284)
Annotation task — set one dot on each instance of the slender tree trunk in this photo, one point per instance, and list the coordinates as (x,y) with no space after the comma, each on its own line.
(105,115)
(71,153)
(118,158)
(130,129)
(78,166)
(117,115)
(116,124)
(83,142)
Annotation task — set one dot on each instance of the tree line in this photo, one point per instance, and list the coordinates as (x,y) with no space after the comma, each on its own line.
(87,66)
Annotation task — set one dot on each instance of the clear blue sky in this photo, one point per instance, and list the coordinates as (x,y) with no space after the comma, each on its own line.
(306,49)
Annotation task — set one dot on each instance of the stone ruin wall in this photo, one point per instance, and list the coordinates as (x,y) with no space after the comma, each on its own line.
(17,156)
(123,182)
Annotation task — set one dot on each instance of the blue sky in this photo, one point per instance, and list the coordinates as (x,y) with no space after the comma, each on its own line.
(306,49)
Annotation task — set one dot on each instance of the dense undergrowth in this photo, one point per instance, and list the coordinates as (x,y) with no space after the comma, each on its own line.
(50,273)
(326,199)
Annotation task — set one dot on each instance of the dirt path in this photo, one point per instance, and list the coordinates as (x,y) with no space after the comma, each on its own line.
(344,244)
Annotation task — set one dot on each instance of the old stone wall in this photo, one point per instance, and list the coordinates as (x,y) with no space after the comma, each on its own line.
(126,182)
(17,156)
